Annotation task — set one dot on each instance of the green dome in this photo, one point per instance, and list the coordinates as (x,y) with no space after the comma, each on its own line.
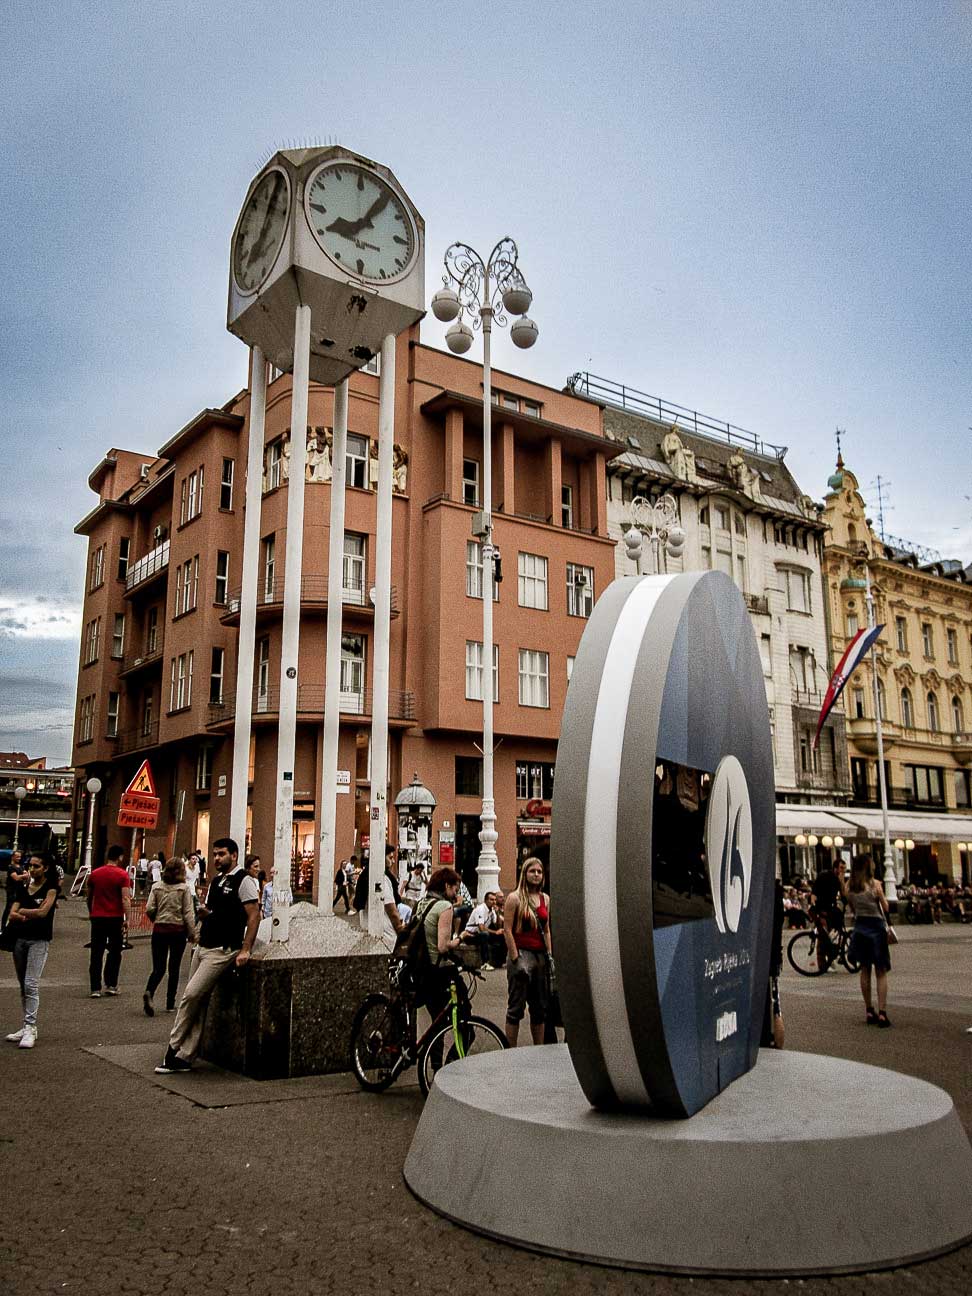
(836,482)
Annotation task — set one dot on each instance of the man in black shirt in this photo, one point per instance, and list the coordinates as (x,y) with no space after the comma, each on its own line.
(230,918)
(827,892)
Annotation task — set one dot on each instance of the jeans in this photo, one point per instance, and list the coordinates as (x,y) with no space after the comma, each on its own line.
(29,959)
(105,932)
(167,948)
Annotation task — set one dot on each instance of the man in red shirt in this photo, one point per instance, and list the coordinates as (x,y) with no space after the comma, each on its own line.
(109,896)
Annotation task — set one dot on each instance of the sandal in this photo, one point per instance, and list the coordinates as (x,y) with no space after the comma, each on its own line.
(883,1019)
(872,1017)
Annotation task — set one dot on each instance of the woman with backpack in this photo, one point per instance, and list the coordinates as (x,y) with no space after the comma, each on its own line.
(436,912)
(526,926)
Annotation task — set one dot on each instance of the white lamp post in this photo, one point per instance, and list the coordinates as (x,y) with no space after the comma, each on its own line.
(484,291)
(94,787)
(657,521)
(19,792)
(890,881)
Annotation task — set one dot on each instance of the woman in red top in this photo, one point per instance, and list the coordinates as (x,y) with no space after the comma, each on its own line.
(526,926)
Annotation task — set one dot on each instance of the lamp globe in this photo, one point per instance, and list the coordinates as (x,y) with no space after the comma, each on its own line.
(524,333)
(445,305)
(459,338)
(517,298)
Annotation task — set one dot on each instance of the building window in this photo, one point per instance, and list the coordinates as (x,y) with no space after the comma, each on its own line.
(704,515)
(216,677)
(226,484)
(803,669)
(706,558)
(352,673)
(570,667)
(859,784)
(274,464)
(92,641)
(469,776)
(187,585)
(470,481)
(958,717)
(356,461)
(721,517)
(152,630)
(951,644)
(204,768)
(963,793)
(534,678)
(580,590)
(741,572)
(124,549)
(853,625)
(118,636)
(907,709)
(927,785)
(96,576)
(86,719)
(766,654)
(269,567)
(111,727)
(263,675)
(567,506)
(534,780)
(474,571)
(858,698)
(809,755)
(222,576)
(191,496)
(932,704)
(353,569)
(927,642)
(180,682)
(882,700)
(474,671)
(797,589)
(901,633)
(148,713)
(532,574)
(739,523)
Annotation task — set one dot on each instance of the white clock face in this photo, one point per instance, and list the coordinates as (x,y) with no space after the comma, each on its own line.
(260,232)
(360,222)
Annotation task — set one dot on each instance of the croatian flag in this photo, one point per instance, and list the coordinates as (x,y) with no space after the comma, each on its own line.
(851,659)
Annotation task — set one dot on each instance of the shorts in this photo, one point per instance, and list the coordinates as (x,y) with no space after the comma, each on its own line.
(526,984)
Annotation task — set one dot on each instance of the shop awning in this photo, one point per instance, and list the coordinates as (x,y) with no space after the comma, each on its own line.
(911,823)
(793,819)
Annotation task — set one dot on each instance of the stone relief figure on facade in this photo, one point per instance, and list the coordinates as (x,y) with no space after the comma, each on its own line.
(319,443)
(399,470)
(743,477)
(679,458)
(285,456)
(373,464)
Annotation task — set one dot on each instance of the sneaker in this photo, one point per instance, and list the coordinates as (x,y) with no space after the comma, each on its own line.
(147,1004)
(95,994)
(111,990)
(16,1036)
(352,912)
(172,1063)
(28,1037)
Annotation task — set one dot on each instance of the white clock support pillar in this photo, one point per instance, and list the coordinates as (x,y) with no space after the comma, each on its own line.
(378,824)
(290,638)
(327,852)
(248,598)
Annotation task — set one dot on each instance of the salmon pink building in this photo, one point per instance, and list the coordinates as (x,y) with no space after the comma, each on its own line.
(161,612)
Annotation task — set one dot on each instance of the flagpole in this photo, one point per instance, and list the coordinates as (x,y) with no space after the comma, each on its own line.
(890,880)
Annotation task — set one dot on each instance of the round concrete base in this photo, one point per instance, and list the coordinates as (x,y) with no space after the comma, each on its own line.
(805,1165)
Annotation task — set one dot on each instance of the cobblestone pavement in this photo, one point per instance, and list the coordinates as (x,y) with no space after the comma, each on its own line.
(114,1184)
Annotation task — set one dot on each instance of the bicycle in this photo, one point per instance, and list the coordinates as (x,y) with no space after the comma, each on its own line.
(812,952)
(384,1034)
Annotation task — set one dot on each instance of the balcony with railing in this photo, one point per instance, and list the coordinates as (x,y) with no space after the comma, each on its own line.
(148,568)
(145,735)
(355,598)
(134,662)
(757,604)
(310,704)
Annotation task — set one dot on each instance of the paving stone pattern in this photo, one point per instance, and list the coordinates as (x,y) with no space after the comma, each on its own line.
(113,1183)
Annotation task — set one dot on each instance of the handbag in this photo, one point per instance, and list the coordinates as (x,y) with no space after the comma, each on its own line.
(892,935)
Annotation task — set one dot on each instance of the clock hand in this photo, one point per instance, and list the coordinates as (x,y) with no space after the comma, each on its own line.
(351,229)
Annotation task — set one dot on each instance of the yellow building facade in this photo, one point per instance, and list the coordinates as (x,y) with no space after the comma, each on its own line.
(924,677)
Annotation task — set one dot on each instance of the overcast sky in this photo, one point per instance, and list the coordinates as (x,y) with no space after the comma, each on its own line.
(757,210)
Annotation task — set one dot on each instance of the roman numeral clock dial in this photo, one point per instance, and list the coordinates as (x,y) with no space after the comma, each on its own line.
(360,222)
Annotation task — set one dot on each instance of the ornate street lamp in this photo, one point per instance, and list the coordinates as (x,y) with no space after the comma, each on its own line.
(94,787)
(890,880)
(656,521)
(19,792)
(905,844)
(485,291)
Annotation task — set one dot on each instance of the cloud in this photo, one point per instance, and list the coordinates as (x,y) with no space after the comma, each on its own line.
(33,617)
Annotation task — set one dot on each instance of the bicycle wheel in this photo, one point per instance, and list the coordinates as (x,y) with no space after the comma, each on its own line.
(377,1041)
(802,953)
(478,1036)
(847,958)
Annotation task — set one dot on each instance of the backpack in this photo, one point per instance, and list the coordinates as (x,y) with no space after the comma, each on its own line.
(411,947)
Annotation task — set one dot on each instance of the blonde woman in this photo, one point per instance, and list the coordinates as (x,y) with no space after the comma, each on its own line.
(869,939)
(172,913)
(526,928)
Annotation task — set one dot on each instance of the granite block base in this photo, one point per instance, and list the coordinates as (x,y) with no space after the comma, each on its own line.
(285,1017)
(874,1167)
